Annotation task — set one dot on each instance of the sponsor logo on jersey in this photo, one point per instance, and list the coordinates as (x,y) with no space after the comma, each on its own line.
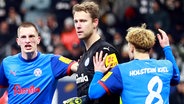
(19,90)
(86,62)
(106,48)
(83,78)
(37,72)
(106,76)
(111,60)
(65,60)
(13,72)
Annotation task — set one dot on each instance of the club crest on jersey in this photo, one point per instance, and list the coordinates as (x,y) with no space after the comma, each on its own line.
(37,72)
(111,60)
(106,76)
(65,60)
(86,62)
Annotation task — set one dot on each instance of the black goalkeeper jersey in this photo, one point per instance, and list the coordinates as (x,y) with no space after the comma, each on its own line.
(85,70)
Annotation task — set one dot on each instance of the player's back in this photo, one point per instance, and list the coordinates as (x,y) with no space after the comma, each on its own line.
(146,81)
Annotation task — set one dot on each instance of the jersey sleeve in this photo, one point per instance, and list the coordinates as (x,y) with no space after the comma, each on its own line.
(176,73)
(3,79)
(61,66)
(110,83)
(113,57)
(95,89)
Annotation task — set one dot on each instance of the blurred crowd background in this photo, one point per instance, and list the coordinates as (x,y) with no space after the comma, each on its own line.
(55,23)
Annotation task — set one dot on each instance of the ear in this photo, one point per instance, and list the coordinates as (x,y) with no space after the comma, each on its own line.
(17,40)
(39,39)
(95,22)
(131,47)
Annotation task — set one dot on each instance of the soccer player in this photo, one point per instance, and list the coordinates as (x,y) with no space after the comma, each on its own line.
(142,80)
(86,19)
(31,76)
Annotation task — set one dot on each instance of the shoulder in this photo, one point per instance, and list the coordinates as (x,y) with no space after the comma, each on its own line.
(14,57)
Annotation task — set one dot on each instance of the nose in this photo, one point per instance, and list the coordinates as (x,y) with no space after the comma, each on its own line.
(77,25)
(27,39)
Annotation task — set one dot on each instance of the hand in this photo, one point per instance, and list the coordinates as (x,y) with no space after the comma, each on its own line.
(99,62)
(163,38)
(74,67)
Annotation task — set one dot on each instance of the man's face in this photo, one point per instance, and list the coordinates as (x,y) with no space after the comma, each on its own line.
(83,24)
(28,39)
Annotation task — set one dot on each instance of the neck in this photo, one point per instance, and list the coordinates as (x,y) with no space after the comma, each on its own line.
(141,56)
(91,40)
(29,55)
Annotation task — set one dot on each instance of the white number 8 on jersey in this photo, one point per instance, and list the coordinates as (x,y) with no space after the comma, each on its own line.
(154,94)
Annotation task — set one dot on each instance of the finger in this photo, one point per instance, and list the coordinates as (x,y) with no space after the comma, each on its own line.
(159,37)
(94,60)
(96,56)
(100,57)
(105,57)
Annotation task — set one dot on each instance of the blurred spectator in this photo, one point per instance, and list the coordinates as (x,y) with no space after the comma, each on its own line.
(68,36)
(180,49)
(60,50)
(13,17)
(35,9)
(3,10)
(16,4)
(45,34)
(109,25)
(159,18)
(132,17)
(118,41)
(122,5)
(62,9)
(5,35)
(175,9)
(177,97)
(53,25)
(15,49)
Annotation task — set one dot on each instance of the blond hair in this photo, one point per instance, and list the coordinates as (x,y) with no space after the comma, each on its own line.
(143,39)
(27,24)
(88,6)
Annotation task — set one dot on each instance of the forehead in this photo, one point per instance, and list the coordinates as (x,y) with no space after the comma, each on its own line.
(27,31)
(81,15)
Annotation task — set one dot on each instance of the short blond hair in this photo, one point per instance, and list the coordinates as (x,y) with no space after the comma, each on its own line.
(143,39)
(27,24)
(88,6)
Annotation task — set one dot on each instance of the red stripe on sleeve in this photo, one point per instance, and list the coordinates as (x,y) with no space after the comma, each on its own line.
(3,86)
(69,72)
(105,87)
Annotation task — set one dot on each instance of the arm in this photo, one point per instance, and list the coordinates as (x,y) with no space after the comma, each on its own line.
(95,89)
(74,66)
(164,43)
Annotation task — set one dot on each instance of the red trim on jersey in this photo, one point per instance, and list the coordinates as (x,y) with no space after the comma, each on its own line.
(105,87)
(3,86)
(69,72)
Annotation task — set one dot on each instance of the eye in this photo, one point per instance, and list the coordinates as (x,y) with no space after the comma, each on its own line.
(31,36)
(23,36)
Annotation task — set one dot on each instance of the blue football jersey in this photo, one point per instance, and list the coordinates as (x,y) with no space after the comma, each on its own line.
(32,81)
(141,81)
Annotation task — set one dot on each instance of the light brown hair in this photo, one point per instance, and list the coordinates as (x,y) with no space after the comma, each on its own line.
(143,39)
(88,6)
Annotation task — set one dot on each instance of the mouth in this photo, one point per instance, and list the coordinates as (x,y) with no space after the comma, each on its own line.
(28,47)
(79,32)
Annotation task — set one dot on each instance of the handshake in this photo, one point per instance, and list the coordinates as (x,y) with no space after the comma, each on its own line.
(76,100)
